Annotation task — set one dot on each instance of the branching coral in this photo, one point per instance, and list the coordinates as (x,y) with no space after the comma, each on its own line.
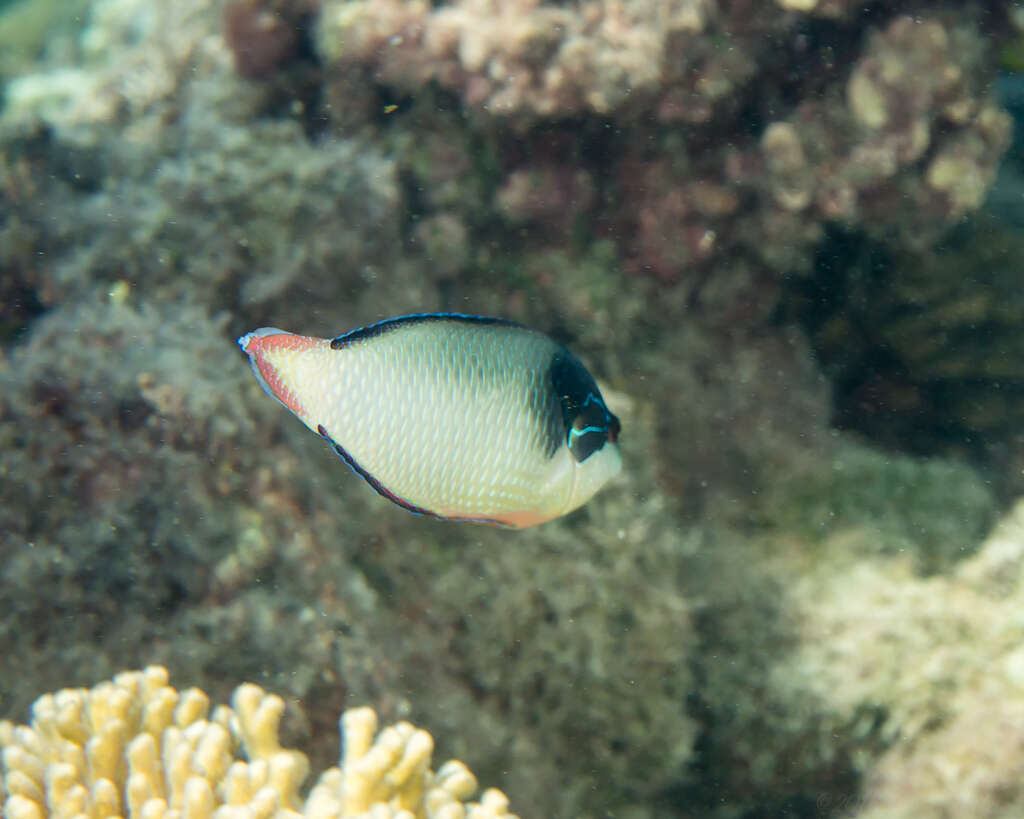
(136,747)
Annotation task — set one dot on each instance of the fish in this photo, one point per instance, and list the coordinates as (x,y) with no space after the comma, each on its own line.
(453,416)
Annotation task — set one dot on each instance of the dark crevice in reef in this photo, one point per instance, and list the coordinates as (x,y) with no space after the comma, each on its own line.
(873,391)
(923,350)
(20,305)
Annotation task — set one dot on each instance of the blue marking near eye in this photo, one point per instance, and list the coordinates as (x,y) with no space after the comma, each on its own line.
(579,433)
(587,425)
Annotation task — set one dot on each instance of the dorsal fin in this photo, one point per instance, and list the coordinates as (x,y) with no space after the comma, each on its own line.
(387,325)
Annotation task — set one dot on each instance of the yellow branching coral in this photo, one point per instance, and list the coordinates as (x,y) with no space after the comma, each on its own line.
(135,747)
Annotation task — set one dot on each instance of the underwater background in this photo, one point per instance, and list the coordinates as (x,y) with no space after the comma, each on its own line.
(784,235)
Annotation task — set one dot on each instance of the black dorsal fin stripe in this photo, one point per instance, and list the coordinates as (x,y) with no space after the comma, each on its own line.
(387,325)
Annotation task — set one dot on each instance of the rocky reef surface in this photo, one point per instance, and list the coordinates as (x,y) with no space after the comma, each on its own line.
(793,601)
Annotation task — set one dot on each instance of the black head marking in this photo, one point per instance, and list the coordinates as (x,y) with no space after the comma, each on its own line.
(587,423)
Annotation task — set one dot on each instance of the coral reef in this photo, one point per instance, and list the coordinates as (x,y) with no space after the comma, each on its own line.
(203,221)
(171,511)
(842,156)
(908,119)
(526,59)
(29,28)
(545,636)
(271,42)
(922,347)
(931,667)
(134,494)
(932,511)
(796,727)
(638,180)
(265,36)
(136,747)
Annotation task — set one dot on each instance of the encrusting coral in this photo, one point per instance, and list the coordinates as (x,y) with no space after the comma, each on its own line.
(137,747)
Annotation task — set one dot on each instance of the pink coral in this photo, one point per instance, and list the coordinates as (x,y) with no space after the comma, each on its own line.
(260,39)
(550,195)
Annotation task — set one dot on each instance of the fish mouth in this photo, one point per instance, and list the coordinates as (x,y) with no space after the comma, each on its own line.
(246,341)
(262,347)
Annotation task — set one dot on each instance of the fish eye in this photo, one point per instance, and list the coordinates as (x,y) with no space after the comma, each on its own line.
(588,424)
(591,428)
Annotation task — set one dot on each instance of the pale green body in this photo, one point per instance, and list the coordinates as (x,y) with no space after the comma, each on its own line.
(456,418)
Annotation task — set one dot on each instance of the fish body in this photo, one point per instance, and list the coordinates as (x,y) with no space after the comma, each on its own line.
(453,416)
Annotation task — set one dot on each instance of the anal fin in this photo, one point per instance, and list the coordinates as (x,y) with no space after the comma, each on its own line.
(384,492)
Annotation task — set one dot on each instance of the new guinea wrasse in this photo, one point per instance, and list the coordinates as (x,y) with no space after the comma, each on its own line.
(448,415)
